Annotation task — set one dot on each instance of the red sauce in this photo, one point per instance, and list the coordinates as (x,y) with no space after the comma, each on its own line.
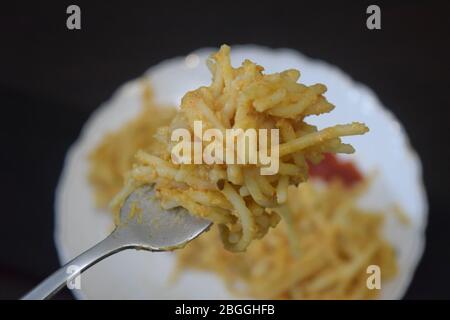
(333,168)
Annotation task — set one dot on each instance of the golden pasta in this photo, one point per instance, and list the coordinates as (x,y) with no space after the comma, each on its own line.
(321,249)
(114,156)
(240,98)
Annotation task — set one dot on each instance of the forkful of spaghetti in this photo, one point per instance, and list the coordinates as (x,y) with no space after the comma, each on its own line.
(234,147)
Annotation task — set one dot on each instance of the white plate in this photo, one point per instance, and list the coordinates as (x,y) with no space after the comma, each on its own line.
(144,275)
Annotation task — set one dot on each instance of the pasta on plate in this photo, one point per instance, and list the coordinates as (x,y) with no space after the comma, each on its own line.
(243,203)
(325,242)
(322,251)
(114,156)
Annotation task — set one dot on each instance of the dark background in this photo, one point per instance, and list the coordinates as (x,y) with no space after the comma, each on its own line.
(51,79)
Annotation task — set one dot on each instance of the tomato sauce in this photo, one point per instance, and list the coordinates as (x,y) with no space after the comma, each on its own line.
(333,168)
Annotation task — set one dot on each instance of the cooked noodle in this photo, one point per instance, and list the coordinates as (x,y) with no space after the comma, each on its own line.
(243,98)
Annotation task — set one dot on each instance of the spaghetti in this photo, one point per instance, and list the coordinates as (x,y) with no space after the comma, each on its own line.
(243,203)
(321,250)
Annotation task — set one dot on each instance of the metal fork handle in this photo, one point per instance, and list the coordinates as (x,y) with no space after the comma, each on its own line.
(55,282)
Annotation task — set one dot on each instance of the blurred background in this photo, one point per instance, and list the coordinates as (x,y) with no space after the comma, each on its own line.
(52,79)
